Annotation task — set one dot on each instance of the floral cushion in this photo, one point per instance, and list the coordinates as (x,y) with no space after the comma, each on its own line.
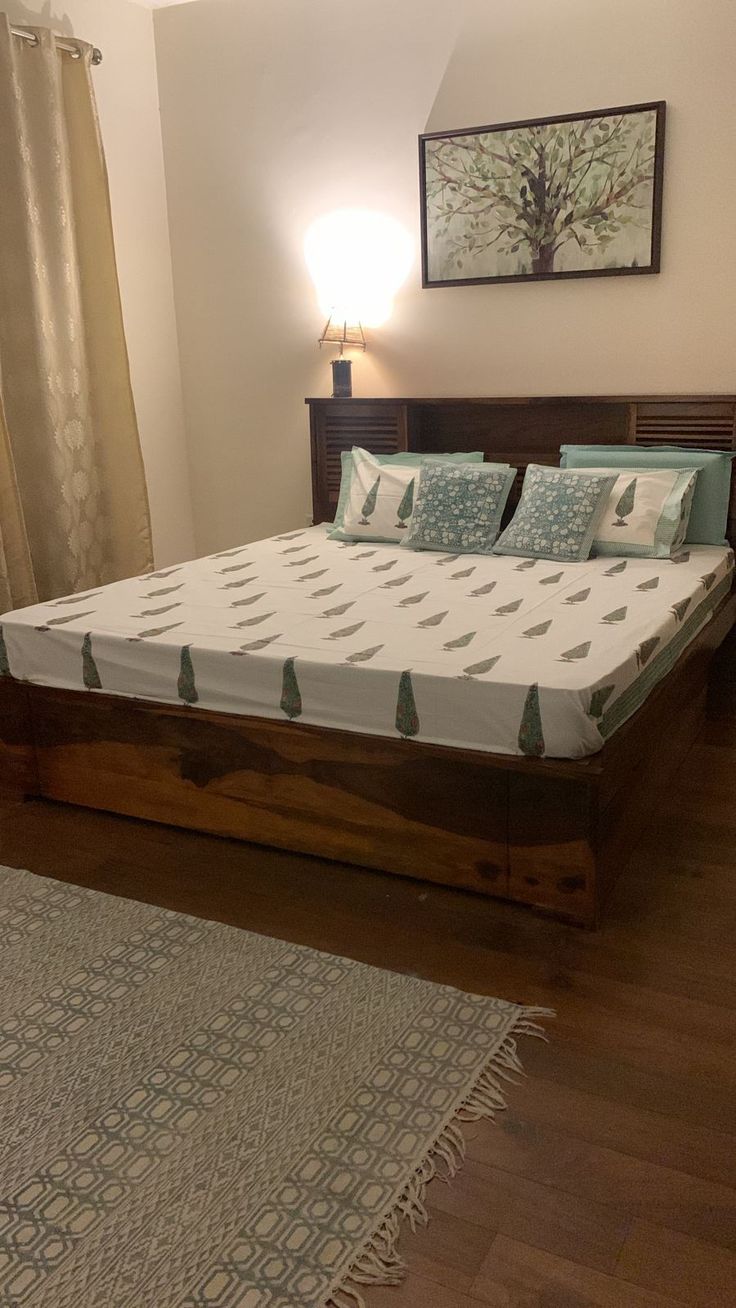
(557,516)
(459,508)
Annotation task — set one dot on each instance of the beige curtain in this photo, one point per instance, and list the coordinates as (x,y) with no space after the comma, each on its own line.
(73,502)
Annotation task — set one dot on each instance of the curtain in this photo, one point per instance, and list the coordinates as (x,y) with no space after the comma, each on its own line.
(73,502)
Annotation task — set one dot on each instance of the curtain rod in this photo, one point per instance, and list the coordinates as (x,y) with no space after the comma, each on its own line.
(73,50)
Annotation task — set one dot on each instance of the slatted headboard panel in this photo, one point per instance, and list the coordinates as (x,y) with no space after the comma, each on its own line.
(517,431)
(699,425)
(338,425)
(703,426)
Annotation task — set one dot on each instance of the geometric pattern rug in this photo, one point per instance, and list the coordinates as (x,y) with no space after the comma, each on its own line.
(193,1116)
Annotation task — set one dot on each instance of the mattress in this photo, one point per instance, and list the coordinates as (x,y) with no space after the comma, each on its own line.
(500,654)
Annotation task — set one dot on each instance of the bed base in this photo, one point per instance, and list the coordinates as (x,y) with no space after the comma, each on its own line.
(548,833)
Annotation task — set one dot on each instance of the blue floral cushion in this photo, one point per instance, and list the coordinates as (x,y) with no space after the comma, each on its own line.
(557,515)
(459,508)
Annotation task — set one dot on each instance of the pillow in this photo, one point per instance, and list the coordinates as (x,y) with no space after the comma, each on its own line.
(405,458)
(380,502)
(647,512)
(709,514)
(458,509)
(557,515)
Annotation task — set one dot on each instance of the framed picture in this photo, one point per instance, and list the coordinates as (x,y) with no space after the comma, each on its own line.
(579,195)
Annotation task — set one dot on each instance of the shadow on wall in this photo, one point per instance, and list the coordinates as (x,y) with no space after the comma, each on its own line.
(48,15)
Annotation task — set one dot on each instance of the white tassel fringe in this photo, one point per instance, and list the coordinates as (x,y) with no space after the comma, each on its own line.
(379,1262)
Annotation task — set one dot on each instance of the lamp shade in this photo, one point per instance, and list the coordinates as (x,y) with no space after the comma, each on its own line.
(357,259)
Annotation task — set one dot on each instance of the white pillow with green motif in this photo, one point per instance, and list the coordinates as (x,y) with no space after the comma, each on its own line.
(647,512)
(351,459)
(381,500)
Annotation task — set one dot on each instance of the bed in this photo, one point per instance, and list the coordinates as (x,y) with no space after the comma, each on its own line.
(486,722)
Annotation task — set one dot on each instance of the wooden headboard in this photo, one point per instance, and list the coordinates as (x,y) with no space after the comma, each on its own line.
(515,431)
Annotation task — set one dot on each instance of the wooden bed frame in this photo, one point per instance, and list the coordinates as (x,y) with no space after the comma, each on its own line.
(548,833)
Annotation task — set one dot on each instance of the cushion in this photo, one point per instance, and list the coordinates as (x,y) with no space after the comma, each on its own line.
(458,507)
(709,513)
(557,515)
(647,512)
(350,459)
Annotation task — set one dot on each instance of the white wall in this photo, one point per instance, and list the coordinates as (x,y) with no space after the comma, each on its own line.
(273,113)
(669,332)
(127,98)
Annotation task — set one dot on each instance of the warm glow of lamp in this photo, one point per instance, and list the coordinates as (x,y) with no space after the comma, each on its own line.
(357,259)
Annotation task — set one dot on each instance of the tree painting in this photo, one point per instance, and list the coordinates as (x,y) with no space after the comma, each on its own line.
(404,511)
(90,675)
(561,197)
(407,718)
(625,505)
(531,739)
(369,504)
(291,699)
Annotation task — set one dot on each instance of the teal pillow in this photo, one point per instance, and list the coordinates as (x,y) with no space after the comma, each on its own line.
(557,515)
(458,509)
(709,513)
(408,458)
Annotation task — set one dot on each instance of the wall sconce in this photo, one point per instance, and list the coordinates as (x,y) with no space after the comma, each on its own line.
(357,260)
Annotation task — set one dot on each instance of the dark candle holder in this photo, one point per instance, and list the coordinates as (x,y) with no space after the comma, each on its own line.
(342,379)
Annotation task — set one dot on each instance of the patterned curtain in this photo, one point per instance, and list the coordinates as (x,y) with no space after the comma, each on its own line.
(73,501)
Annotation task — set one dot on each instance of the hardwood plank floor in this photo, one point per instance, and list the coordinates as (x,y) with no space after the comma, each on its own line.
(611,1178)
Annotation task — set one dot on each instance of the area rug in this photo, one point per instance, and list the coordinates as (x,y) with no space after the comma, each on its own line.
(193,1116)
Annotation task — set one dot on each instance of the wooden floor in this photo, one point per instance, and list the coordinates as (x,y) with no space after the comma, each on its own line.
(611,1179)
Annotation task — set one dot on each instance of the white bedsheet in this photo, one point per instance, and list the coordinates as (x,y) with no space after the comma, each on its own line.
(354,618)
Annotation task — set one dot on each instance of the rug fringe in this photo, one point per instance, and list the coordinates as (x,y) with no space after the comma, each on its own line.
(379,1262)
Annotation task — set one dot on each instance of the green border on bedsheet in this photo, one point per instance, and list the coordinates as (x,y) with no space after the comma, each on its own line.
(633,697)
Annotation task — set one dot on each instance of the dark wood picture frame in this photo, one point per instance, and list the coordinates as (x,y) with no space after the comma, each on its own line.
(529,198)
